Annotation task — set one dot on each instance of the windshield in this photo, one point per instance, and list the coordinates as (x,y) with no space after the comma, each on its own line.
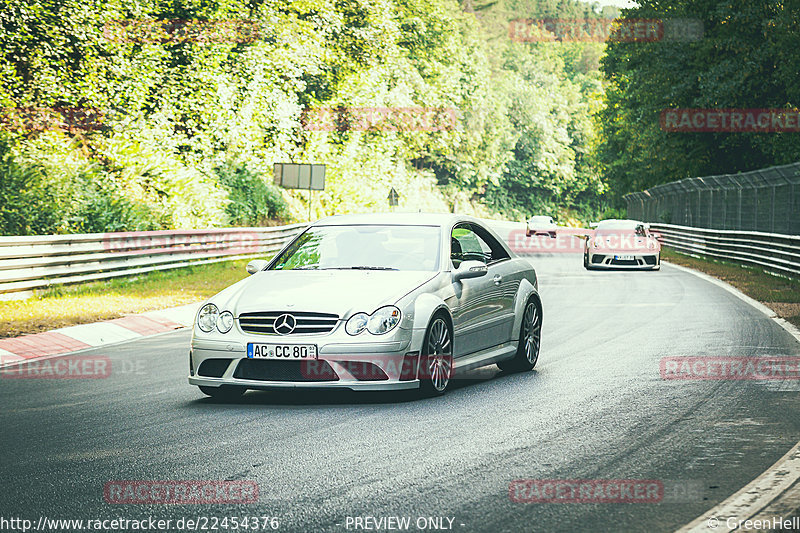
(617,226)
(364,247)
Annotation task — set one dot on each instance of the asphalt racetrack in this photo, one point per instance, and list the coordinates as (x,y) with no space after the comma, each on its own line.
(595,408)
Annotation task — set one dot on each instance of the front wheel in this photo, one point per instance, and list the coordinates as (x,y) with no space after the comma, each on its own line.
(436,361)
(224,393)
(530,338)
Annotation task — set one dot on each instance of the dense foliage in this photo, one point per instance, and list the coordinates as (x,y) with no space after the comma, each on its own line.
(189,127)
(746,59)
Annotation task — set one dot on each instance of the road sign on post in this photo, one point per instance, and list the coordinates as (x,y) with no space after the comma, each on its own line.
(309,176)
(393,197)
(299,176)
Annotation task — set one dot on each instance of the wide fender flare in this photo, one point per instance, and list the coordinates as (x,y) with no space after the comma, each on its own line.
(524,293)
(424,308)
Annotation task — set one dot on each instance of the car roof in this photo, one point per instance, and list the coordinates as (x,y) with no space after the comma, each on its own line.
(401,219)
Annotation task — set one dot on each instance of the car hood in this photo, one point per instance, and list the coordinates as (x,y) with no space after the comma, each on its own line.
(341,292)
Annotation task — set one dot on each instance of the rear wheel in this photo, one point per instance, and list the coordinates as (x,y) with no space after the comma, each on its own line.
(530,338)
(226,392)
(436,361)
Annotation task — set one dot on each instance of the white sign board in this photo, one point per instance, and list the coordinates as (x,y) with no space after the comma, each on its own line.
(310,177)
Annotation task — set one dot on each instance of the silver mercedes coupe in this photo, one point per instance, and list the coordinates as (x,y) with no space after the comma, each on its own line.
(371,302)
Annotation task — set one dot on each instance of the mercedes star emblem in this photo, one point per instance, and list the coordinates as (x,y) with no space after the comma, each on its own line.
(285,324)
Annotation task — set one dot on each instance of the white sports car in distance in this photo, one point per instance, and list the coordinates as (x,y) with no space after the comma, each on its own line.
(541,225)
(622,244)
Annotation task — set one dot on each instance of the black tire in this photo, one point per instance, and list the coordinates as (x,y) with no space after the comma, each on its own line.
(530,340)
(224,393)
(436,358)
(586,261)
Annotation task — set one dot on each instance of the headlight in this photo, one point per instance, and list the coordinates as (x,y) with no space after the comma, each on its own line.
(383,320)
(207,317)
(356,324)
(225,322)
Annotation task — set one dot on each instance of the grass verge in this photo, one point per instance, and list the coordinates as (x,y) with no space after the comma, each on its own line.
(782,295)
(62,306)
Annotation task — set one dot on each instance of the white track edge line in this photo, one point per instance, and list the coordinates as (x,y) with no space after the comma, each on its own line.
(773,482)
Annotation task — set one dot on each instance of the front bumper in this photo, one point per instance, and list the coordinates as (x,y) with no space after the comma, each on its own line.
(277,385)
(368,365)
(609,260)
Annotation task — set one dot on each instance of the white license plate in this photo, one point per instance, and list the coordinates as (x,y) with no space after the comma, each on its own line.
(624,257)
(297,352)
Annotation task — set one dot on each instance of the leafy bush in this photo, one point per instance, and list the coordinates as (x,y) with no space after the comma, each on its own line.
(27,204)
(251,200)
(178,195)
(45,190)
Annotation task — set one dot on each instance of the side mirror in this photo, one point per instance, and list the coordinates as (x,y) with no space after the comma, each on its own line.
(255,265)
(470,269)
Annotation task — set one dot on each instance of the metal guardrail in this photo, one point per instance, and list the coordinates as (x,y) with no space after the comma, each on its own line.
(772,252)
(32,262)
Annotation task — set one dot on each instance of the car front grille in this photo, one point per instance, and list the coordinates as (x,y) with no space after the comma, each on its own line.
(625,262)
(298,371)
(306,323)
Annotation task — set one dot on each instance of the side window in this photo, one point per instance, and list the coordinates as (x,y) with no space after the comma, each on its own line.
(466,245)
(496,250)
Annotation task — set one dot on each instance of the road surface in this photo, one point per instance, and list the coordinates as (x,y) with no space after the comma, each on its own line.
(595,408)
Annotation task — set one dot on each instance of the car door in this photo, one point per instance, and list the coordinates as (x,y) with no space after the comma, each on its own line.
(506,278)
(479,320)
